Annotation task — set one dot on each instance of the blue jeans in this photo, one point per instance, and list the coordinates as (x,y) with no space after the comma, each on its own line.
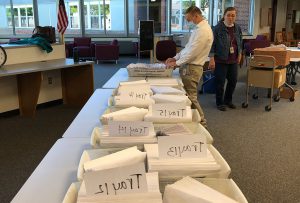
(223,72)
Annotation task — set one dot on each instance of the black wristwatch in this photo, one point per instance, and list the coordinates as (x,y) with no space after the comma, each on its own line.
(3,56)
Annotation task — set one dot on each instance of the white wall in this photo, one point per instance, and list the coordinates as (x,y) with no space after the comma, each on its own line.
(257,29)
(262,4)
(281,15)
(280,18)
(292,5)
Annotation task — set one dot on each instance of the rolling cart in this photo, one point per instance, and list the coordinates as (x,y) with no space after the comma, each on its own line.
(262,72)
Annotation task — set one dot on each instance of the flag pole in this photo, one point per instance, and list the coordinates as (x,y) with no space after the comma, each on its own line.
(62,38)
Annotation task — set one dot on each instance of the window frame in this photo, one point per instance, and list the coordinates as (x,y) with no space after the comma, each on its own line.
(212,18)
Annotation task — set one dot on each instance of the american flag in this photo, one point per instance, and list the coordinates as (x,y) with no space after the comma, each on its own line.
(62,22)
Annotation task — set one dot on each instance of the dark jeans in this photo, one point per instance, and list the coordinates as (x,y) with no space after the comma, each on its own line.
(222,72)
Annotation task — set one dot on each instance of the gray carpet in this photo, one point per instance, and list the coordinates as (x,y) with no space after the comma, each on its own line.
(262,148)
(25,141)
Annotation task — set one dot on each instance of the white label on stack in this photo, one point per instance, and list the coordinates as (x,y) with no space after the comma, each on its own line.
(122,180)
(178,147)
(130,128)
(169,110)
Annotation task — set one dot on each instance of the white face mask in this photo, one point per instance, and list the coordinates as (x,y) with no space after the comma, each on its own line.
(228,25)
(190,25)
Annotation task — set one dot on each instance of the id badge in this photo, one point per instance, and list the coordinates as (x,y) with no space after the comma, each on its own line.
(231,50)
(184,71)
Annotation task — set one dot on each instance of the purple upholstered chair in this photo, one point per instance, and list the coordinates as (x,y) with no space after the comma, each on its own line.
(260,41)
(86,49)
(165,49)
(107,51)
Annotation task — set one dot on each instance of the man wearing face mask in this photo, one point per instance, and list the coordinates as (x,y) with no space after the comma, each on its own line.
(192,58)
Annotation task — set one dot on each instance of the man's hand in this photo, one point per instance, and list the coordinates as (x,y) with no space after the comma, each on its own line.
(171,63)
(170,60)
(212,64)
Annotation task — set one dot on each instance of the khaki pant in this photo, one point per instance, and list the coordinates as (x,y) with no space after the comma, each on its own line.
(190,76)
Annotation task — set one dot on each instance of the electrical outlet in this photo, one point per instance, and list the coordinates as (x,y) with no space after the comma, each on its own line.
(50,80)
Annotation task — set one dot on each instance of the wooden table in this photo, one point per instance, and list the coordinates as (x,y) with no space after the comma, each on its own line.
(77,81)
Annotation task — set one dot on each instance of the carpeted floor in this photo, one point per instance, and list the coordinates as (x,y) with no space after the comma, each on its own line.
(262,148)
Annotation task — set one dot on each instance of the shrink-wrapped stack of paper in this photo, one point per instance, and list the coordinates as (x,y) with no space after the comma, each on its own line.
(146,65)
(174,168)
(173,129)
(135,93)
(183,129)
(125,89)
(101,138)
(121,159)
(143,69)
(152,196)
(169,82)
(144,100)
(192,191)
(167,90)
(128,114)
(158,119)
(137,82)
(92,154)
(165,98)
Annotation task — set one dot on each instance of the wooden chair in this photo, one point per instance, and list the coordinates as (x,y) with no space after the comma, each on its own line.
(290,38)
(280,39)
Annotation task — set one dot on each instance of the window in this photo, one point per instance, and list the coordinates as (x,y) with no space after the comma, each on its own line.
(20,17)
(6,27)
(23,17)
(102,17)
(74,15)
(115,16)
(158,13)
(178,22)
(47,13)
(245,10)
(94,21)
(110,17)
(137,10)
(16,17)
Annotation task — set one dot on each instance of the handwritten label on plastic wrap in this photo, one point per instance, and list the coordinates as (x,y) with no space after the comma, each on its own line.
(130,128)
(178,147)
(135,96)
(123,180)
(169,110)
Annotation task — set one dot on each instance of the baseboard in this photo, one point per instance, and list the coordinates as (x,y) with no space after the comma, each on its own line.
(16,112)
